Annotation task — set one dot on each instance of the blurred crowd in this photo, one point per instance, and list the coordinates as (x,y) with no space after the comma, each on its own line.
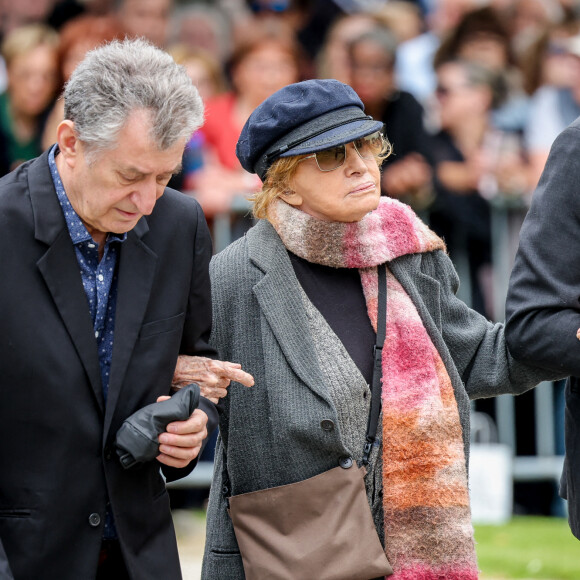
(472,94)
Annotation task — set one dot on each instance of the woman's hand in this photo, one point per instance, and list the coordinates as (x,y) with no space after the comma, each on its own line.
(212,376)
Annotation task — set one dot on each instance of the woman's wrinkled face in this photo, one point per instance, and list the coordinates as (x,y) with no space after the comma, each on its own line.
(33,80)
(345,194)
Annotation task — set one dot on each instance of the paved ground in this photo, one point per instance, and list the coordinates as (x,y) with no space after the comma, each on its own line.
(190,530)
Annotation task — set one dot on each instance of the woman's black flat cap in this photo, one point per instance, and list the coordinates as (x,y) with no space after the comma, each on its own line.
(302,118)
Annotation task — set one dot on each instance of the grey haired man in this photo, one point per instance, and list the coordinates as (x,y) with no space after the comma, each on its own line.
(105,283)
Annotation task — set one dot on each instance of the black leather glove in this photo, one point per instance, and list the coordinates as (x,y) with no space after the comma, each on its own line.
(137,439)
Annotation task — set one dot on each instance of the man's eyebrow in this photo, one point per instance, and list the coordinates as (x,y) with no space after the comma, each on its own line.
(134,172)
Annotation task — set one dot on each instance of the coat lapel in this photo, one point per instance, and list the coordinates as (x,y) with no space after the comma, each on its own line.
(137,265)
(60,270)
(278,294)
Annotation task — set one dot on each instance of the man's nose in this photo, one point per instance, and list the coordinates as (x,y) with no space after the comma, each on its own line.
(146,196)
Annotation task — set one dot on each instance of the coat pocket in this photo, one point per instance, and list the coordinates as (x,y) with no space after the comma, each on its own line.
(15,513)
(161,326)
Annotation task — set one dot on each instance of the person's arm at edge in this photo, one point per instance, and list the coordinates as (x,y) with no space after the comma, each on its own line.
(543,301)
(5,572)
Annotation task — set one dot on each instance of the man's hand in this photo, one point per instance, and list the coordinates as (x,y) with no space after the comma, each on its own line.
(181,443)
(212,376)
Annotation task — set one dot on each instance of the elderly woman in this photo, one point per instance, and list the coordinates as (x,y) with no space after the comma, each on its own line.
(296,302)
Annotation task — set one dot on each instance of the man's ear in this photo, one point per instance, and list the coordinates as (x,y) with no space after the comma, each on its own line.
(68,142)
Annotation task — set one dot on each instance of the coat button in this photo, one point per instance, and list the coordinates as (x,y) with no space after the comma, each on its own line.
(345,462)
(327,425)
(94,520)
(108,453)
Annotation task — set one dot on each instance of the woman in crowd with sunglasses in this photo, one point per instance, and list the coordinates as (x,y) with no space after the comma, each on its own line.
(298,302)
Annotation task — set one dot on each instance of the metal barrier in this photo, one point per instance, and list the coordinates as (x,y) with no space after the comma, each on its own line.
(507,215)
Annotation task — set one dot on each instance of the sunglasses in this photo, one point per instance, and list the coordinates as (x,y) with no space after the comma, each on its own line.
(366,147)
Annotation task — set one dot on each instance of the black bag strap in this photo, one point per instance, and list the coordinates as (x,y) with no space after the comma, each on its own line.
(375,409)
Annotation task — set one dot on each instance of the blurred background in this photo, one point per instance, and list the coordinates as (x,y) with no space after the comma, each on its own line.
(472,94)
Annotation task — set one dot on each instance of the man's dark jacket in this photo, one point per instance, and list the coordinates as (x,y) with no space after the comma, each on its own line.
(543,303)
(57,462)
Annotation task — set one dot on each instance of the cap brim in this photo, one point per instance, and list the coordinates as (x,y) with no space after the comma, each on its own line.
(336,136)
(335,127)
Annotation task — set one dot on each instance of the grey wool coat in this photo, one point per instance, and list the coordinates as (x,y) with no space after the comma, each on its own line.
(272,431)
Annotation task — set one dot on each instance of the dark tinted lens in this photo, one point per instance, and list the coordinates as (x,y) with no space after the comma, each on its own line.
(370,145)
(330,159)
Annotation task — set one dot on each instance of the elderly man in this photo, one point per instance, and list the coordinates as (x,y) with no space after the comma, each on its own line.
(104,283)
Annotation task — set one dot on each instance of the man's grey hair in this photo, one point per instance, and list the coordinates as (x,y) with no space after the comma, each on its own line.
(125,76)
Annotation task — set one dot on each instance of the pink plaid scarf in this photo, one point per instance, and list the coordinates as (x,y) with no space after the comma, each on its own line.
(428,530)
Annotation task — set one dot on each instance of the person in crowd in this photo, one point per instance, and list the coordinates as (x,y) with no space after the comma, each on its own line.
(16,14)
(77,37)
(547,61)
(481,36)
(260,65)
(205,72)
(404,18)
(105,282)
(406,174)
(473,162)
(308,21)
(150,19)
(528,18)
(414,66)
(332,60)
(553,107)
(296,303)
(542,307)
(30,53)
(202,27)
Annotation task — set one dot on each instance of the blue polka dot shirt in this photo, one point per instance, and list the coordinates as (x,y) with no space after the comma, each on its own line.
(99,277)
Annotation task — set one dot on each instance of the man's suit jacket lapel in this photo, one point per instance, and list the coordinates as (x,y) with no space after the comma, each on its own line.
(137,265)
(60,270)
(279,296)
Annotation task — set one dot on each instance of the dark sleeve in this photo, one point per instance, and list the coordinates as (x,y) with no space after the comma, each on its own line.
(4,161)
(5,572)
(543,302)
(197,327)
